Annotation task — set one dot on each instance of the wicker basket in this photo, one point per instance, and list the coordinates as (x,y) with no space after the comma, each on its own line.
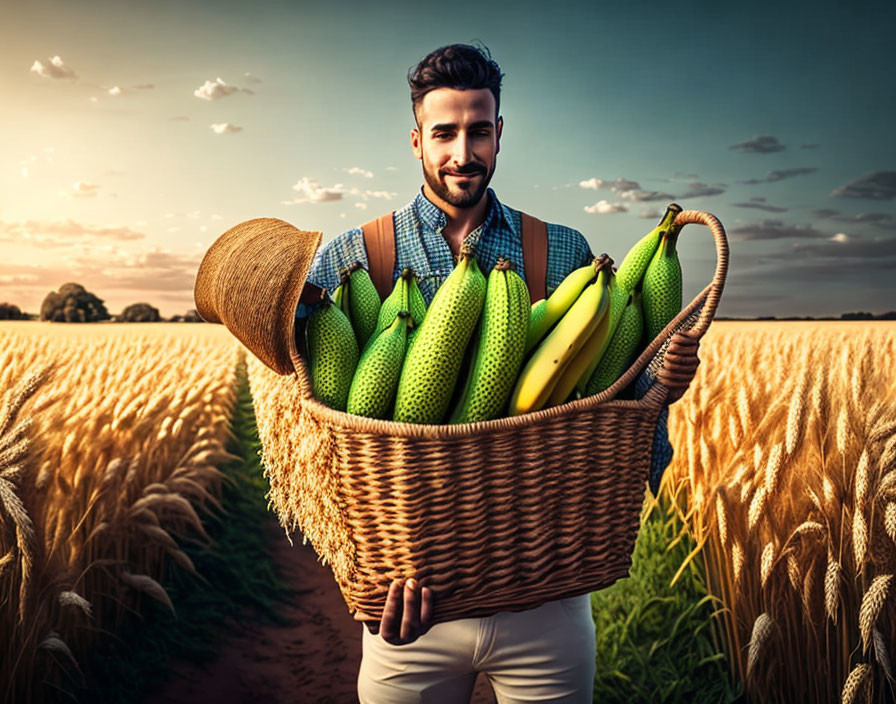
(501,515)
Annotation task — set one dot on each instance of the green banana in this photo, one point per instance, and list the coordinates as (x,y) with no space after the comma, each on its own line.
(621,350)
(635,263)
(364,303)
(395,301)
(662,287)
(416,302)
(435,353)
(549,360)
(333,353)
(560,301)
(375,381)
(499,347)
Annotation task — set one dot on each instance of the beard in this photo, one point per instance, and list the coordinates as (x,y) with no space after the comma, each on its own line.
(461,195)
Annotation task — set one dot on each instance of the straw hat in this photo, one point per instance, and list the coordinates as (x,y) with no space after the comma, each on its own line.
(251,280)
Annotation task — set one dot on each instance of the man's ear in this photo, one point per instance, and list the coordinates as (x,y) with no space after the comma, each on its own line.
(499,128)
(416,147)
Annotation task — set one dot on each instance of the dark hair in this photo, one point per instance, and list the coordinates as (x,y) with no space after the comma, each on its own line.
(459,66)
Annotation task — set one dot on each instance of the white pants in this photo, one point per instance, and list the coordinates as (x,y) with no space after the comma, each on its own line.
(545,654)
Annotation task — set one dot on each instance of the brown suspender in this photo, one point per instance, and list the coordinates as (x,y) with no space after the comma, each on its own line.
(535,255)
(379,239)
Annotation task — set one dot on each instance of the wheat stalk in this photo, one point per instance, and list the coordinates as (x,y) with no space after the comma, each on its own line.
(873,602)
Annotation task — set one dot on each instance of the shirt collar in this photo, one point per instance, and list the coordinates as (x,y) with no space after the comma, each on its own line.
(435,219)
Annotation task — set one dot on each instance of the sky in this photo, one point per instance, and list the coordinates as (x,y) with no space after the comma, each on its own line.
(133,134)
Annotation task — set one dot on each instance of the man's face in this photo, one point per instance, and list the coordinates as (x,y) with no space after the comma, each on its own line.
(458,136)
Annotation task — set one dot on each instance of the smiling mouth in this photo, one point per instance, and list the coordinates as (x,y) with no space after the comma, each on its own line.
(463,175)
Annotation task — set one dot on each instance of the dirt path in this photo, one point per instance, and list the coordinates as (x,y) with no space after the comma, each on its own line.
(314,658)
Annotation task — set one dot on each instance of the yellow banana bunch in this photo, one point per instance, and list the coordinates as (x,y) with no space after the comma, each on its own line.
(547,363)
(548,311)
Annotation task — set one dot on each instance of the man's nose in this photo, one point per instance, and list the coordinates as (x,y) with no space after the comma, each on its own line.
(462,150)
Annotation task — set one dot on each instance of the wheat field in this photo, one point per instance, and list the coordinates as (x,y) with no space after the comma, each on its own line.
(785,475)
(785,451)
(110,437)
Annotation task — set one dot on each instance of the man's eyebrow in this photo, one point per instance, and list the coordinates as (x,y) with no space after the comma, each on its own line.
(453,125)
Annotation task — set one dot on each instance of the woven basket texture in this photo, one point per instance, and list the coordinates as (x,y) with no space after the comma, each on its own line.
(493,516)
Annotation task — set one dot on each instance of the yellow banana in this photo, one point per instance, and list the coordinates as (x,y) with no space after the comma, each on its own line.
(550,358)
(589,355)
(544,315)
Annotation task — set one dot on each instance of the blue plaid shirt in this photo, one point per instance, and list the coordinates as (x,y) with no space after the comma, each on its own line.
(419,244)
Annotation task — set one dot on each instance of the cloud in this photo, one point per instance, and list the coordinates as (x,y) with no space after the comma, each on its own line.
(359,171)
(651,213)
(114,91)
(225,128)
(884,221)
(761,206)
(251,79)
(361,205)
(145,86)
(604,207)
(774,230)
(697,189)
(391,168)
(625,189)
(780,175)
(82,189)
(62,232)
(760,145)
(311,192)
(215,90)
(387,195)
(879,185)
(56,68)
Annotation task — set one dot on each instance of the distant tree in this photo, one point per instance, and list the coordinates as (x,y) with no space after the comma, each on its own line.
(10,311)
(191,317)
(139,313)
(889,315)
(72,303)
(861,315)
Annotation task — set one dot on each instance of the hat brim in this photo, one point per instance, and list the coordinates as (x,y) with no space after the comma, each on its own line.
(251,279)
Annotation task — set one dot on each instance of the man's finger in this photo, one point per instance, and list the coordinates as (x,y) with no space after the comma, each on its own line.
(410,623)
(427,607)
(392,611)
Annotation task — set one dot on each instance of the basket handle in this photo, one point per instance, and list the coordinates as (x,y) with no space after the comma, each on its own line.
(709,298)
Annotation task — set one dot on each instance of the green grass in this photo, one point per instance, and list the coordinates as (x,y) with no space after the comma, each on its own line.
(124,666)
(653,641)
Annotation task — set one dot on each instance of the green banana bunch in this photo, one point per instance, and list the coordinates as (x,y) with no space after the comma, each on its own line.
(632,269)
(405,295)
(435,353)
(332,351)
(375,381)
(547,363)
(500,347)
(556,305)
(589,355)
(363,302)
(662,286)
(622,348)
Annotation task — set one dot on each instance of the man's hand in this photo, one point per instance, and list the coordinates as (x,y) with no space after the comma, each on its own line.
(405,617)
(680,364)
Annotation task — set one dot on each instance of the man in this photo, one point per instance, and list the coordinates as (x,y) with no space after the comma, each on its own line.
(548,651)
